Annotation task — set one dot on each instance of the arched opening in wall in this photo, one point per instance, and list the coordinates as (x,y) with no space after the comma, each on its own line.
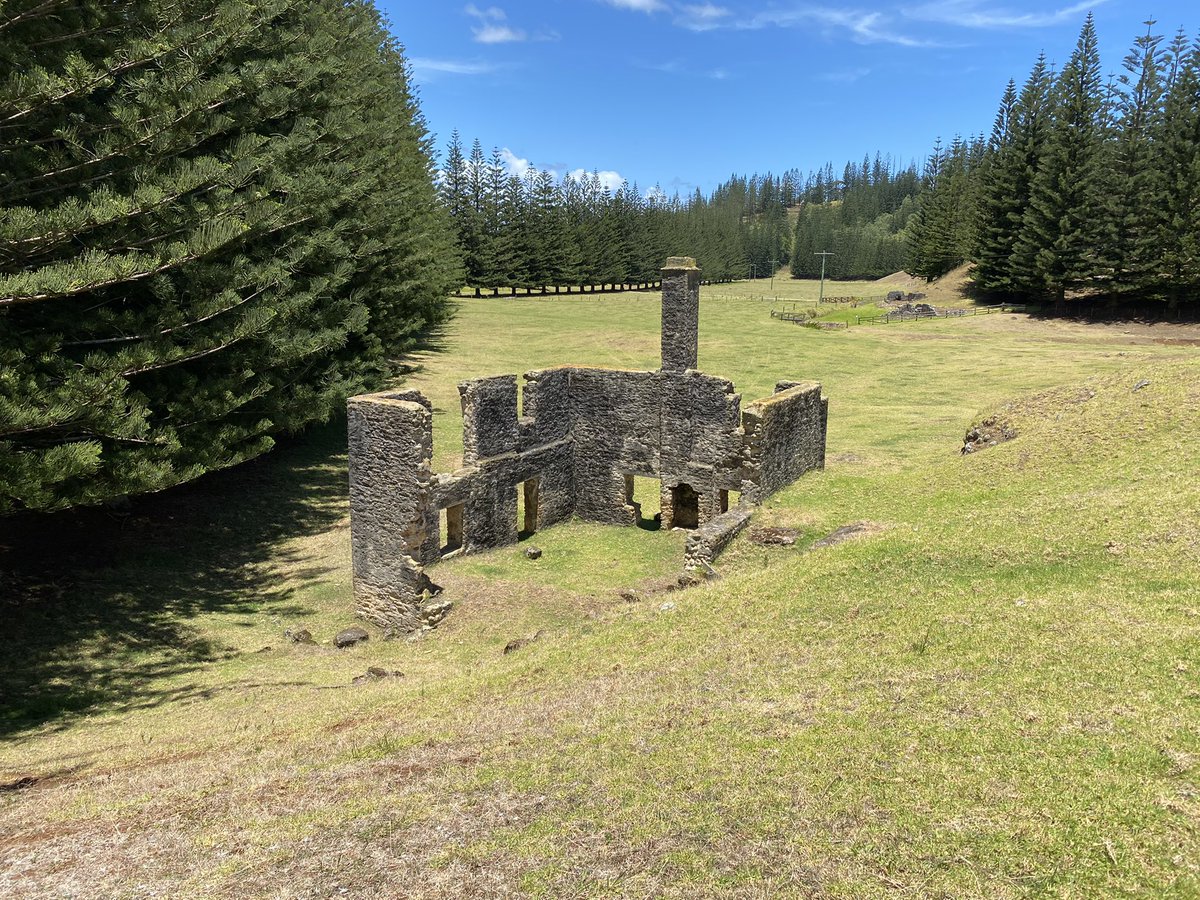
(729,500)
(685,507)
(527,507)
(450,529)
(643,494)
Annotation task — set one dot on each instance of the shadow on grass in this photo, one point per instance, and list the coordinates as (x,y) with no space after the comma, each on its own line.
(96,604)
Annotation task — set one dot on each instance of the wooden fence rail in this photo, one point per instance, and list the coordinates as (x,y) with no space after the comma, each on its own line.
(914,315)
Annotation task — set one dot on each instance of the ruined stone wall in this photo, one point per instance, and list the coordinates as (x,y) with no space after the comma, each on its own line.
(785,436)
(617,431)
(505,453)
(391,442)
(704,544)
(701,443)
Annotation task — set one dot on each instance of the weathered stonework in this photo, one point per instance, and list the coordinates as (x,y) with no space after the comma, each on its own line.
(585,434)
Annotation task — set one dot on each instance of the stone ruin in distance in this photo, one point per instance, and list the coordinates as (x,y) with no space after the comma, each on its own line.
(586,433)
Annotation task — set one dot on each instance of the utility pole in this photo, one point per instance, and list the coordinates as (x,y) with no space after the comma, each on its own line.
(773,267)
(822,254)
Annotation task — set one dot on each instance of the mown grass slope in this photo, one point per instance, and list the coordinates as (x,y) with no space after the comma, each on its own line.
(994,693)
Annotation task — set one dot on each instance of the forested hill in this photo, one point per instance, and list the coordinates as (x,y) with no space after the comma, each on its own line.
(860,219)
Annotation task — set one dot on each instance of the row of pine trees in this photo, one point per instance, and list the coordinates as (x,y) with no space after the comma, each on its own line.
(1086,186)
(538,229)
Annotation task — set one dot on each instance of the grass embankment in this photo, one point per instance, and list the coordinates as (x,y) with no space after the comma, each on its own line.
(995,694)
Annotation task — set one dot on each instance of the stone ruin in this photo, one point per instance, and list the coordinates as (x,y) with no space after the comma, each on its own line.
(584,436)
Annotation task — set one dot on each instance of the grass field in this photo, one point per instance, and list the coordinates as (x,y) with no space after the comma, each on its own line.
(996,693)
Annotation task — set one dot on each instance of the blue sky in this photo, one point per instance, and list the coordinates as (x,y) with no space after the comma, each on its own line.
(686,93)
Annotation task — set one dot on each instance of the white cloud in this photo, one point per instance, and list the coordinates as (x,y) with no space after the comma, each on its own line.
(515,164)
(646,6)
(610,180)
(492,28)
(425,69)
(718,74)
(497,34)
(968,14)
(700,17)
(657,195)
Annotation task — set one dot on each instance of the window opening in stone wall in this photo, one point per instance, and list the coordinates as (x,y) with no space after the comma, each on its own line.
(527,507)
(685,502)
(729,500)
(450,529)
(643,495)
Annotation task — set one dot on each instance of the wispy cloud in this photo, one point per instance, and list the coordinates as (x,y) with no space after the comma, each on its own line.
(864,27)
(677,67)
(972,14)
(646,6)
(670,67)
(844,76)
(701,17)
(425,69)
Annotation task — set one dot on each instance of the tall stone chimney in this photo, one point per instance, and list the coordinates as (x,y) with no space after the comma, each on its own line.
(680,314)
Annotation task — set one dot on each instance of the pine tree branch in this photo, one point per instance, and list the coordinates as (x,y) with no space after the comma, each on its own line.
(136,276)
(129,373)
(108,74)
(98,342)
(36,12)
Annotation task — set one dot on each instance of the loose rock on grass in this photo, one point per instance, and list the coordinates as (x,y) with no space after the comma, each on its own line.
(987,433)
(376,673)
(348,637)
(517,643)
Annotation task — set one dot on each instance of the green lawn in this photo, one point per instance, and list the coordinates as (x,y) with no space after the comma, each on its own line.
(995,693)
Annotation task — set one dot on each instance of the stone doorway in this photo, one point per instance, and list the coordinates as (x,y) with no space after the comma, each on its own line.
(643,496)
(685,507)
(527,508)
(450,530)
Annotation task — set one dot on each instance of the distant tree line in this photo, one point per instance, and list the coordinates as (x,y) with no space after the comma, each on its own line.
(1084,185)
(217,220)
(538,229)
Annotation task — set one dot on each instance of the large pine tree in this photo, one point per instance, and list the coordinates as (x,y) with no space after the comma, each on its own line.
(217,220)
(1067,235)
(1135,203)
(1176,189)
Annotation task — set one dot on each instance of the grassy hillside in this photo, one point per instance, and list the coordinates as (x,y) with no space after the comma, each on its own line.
(994,693)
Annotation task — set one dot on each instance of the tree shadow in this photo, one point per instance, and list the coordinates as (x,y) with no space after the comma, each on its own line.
(97,603)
